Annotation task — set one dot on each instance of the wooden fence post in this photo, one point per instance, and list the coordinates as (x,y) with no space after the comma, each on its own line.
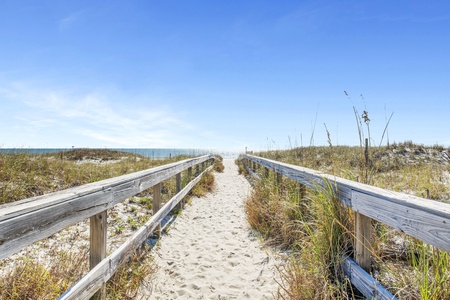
(302,190)
(178,189)
(189,177)
(156,206)
(363,226)
(363,240)
(189,174)
(279,182)
(98,230)
(266,172)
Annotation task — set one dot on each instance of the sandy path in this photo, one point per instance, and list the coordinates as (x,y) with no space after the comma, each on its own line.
(210,252)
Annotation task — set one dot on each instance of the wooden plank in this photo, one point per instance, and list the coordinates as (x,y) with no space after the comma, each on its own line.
(189,171)
(366,284)
(279,179)
(363,241)
(27,221)
(308,177)
(253,174)
(302,191)
(422,223)
(156,205)
(424,219)
(178,187)
(143,179)
(266,172)
(93,281)
(178,182)
(98,230)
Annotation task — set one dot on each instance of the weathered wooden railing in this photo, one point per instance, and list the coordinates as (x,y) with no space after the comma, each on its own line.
(27,221)
(423,219)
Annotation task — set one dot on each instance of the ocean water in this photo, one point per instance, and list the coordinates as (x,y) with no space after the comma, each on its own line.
(148,152)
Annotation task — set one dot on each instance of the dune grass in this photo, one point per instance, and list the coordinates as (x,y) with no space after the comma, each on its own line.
(47,268)
(317,229)
(25,175)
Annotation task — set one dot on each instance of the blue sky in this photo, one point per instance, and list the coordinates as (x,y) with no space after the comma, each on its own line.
(222,74)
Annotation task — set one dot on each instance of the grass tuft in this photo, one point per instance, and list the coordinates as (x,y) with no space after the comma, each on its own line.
(32,279)
(204,186)
(218,164)
(131,276)
(318,230)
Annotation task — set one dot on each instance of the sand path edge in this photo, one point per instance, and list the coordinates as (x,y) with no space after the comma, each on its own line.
(210,251)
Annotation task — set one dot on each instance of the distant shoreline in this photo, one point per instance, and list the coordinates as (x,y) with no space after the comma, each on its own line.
(154,153)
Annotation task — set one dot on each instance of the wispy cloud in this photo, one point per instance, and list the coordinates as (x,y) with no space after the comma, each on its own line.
(69,21)
(97,118)
(37,123)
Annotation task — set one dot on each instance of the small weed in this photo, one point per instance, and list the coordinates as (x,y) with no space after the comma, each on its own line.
(218,164)
(133,223)
(205,185)
(119,229)
(146,202)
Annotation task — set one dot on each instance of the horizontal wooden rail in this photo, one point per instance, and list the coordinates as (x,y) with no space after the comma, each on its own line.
(424,219)
(98,276)
(368,286)
(251,172)
(27,221)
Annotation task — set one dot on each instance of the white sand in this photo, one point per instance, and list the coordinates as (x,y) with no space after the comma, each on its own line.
(210,252)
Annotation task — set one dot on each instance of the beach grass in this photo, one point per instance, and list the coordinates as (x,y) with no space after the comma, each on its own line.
(317,229)
(47,268)
(26,175)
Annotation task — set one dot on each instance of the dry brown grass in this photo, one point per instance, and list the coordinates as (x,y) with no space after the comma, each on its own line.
(218,164)
(131,276)
(409,268)
(44,273)
(205,185)
(41,271)
(280,221)
(313,227)
(25,175)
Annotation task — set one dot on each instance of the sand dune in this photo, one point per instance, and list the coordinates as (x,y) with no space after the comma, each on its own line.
(210,251)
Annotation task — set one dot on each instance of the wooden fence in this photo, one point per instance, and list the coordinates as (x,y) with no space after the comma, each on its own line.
(27,221)
(423,219)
